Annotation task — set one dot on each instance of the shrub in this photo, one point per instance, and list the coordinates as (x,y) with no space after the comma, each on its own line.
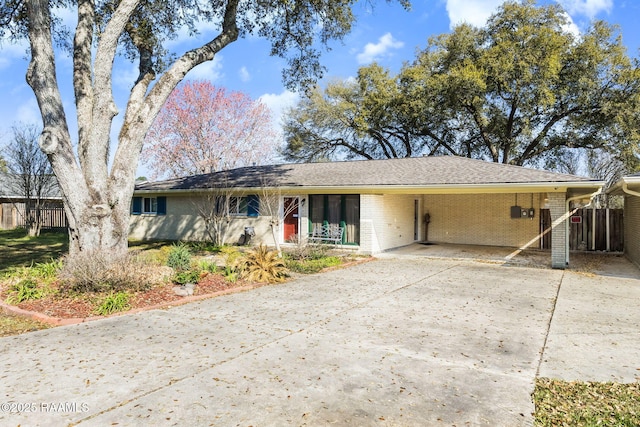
(231,255)
(208,266)
(309,266)
(25,290)
(179,257)
(304,251)
(100,271)
(113,303)
(230,274)
(189,276)
(204,247)
(47,270)
(262,265)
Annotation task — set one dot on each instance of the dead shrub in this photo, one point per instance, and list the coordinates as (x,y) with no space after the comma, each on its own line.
(103,272)
(262,265)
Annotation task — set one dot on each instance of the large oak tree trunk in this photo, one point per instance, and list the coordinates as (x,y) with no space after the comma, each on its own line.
(99,229)
(97,197)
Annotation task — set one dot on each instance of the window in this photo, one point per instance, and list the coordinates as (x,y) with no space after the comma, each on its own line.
(149,205)
(337,209)
(238,206)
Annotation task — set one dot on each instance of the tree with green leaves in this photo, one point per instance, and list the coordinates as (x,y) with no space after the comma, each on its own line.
(521,90)
(97,192)
(367,117)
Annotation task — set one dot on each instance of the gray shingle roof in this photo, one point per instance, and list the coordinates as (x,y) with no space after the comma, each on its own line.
(11,187)
(416,171)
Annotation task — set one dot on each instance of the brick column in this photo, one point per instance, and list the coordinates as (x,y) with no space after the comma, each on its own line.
(369,208)
(557,207)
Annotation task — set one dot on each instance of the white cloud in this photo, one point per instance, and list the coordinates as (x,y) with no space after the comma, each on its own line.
(589,8)
(373,51)
(474,12)
(210,70)
(571,27)
(244,74)
(13,52)
(125,74)
(278,103)
(28,112)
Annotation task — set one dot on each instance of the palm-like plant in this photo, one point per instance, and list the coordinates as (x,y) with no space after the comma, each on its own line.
(263,265)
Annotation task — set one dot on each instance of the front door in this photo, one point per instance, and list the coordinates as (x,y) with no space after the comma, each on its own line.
(291,218)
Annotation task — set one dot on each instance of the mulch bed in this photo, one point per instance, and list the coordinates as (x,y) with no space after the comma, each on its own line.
(56,309)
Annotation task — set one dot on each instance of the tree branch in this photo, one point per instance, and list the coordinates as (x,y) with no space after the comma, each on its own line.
(55,140)
(82,74)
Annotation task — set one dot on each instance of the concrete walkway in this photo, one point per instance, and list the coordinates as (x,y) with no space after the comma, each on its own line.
(400,341)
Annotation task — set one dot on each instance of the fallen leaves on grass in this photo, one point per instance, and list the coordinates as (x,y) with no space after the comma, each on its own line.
(562,403)
(14,325)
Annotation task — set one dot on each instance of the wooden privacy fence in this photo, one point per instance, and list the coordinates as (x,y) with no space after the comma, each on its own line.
(602,230)
(13,216)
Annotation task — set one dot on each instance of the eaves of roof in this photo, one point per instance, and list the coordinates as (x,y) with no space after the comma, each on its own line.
(446,174)
(629,184)
(577,187)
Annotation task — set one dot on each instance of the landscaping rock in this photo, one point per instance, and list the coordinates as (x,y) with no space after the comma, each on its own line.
(184,290)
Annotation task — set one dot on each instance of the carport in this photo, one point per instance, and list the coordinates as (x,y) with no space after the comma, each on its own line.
(382,204)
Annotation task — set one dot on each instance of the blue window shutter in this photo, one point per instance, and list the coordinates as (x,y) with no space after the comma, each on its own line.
(253,205)
(162,205)
(136,208)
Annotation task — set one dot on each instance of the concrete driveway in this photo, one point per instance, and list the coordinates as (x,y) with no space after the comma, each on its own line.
(400,341)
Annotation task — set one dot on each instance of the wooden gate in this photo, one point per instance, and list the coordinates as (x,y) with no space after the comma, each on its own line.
(12,215)
(582,231)
(7,220)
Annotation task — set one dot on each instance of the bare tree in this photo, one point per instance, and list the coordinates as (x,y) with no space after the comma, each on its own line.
(270,198)
(214,208)
(30,175)
(609,168)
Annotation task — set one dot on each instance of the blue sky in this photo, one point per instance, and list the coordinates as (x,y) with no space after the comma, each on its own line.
(384,32)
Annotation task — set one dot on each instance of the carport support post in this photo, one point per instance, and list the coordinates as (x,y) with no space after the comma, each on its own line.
(557,208)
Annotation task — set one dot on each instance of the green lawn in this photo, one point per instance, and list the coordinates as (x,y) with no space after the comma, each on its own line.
(557,403)
(19,250)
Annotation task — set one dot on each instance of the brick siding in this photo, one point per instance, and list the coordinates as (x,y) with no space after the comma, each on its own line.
(557,207)
(482,219)
(632,228)
(386,221)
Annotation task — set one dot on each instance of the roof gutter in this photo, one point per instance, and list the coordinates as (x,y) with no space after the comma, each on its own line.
(625,188)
